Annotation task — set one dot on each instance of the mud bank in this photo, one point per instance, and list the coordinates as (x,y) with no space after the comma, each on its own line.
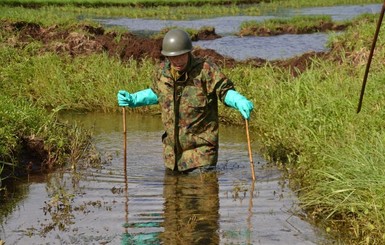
(86,39)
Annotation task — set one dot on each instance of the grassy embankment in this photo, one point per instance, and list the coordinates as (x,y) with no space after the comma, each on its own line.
(28,132)
(148,3)
(334,156)
(308,123)
(294,25)
(55,10)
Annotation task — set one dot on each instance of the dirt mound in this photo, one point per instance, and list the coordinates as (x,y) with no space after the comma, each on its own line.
(299,64)
(87,39)
(206,34)
(33,155)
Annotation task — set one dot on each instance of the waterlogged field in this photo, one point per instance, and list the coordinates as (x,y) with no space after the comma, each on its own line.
(304,121)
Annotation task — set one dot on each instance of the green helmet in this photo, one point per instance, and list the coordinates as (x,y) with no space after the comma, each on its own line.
(176,42)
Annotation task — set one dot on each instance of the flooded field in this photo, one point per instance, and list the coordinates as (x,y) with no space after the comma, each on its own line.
(242,48)
(154,206)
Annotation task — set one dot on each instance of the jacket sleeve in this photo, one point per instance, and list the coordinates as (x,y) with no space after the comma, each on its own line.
(217,81)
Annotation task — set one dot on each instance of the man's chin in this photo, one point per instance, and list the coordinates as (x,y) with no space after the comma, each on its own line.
(179,68)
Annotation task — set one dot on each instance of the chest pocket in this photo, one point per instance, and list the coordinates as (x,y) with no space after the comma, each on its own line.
(194,95)
(194,101)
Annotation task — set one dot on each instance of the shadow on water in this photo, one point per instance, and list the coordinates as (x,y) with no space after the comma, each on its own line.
(149,205)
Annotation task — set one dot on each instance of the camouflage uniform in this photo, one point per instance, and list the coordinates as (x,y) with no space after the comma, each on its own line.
(189,106)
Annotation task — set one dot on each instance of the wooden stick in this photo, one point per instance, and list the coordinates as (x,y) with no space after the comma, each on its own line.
(249,147)
(370,58)
(125,139)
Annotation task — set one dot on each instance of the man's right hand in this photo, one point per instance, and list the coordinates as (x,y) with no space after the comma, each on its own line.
(124,98)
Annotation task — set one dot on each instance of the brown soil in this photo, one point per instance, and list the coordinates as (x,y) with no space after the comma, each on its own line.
(33,155)
(33,158)
(86,39)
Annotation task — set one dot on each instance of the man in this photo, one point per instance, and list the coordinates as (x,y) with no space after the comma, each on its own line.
(187,89)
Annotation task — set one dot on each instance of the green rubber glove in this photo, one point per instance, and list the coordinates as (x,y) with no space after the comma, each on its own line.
(239,102)
(140,98)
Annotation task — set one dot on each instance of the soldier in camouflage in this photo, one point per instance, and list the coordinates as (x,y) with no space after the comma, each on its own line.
(188,89)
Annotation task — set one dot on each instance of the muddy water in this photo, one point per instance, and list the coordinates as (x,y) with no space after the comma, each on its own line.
(97,205)
(268,48)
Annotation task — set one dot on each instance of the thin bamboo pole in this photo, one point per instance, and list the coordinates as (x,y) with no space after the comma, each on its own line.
(124,139)
(249,148)
(370,58)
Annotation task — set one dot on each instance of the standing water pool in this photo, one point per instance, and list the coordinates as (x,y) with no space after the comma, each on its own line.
(149,205)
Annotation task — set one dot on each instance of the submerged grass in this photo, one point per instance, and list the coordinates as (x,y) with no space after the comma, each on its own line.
(307,124)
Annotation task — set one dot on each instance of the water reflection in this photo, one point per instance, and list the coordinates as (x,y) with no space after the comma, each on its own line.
(250,215)
(191,209)
(190,213)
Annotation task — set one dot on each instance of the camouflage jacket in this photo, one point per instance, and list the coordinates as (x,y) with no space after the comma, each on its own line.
(189,108)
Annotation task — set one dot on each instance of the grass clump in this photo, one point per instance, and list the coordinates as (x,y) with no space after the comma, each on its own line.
(32,138)
(334,157)
(294,25)
(81,84)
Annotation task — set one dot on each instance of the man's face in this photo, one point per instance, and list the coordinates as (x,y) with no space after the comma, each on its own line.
(179,62)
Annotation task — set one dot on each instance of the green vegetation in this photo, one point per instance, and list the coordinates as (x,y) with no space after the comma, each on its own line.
(79,83)
(24,123)
(315,3)
(138,3)
(147,3)
(334,157)
(294,25)
(64,11)
(307,124)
